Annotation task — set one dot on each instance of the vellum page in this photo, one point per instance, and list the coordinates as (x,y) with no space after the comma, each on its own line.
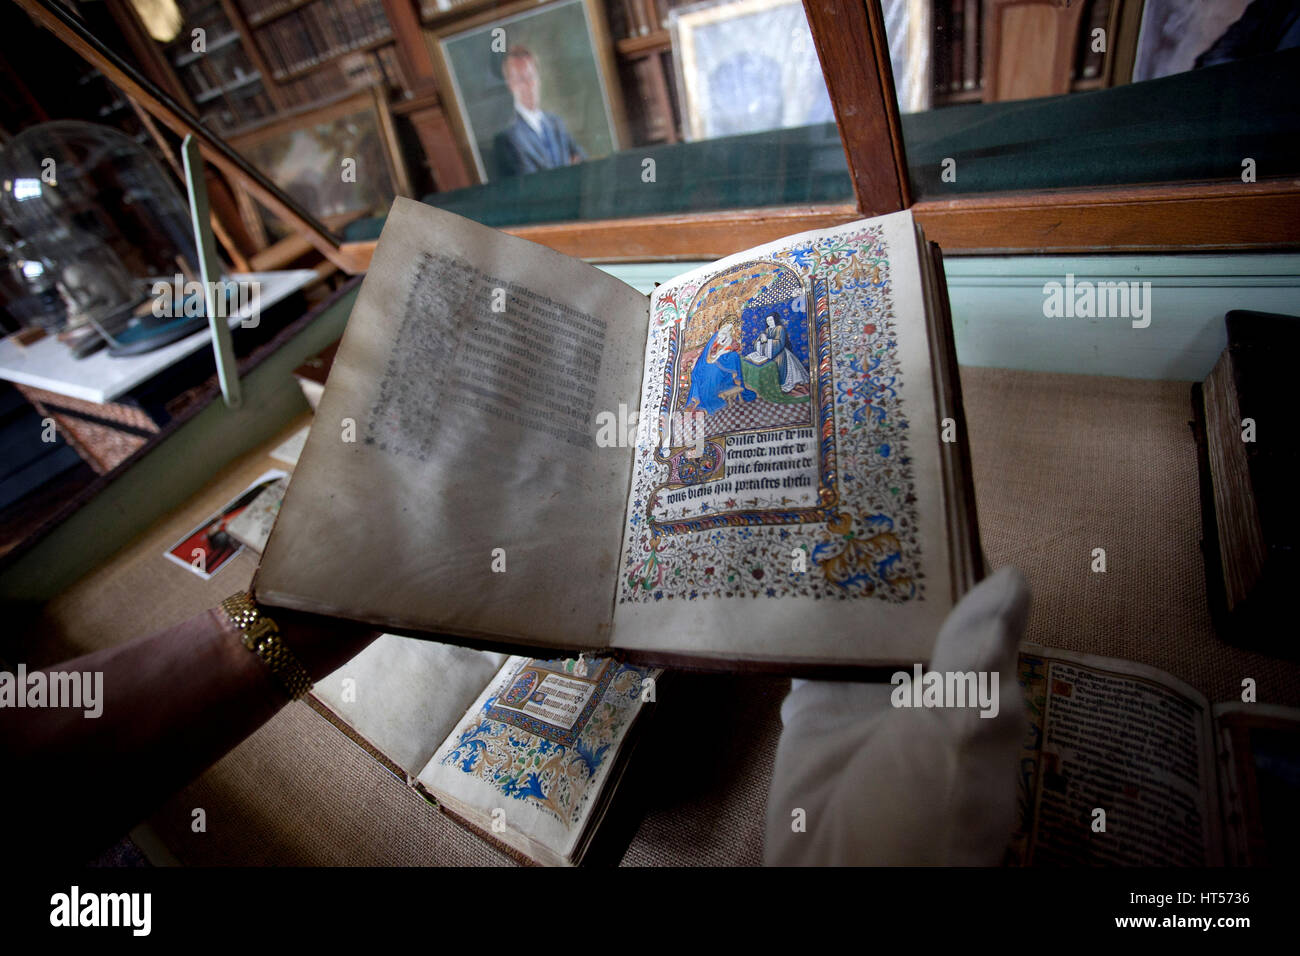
(474,367)
(786,500)
(403,695)
(535,751)
(1122,736)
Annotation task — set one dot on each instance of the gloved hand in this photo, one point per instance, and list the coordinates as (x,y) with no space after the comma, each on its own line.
(887,785)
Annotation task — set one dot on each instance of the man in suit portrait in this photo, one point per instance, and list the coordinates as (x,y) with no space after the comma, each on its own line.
(535,140)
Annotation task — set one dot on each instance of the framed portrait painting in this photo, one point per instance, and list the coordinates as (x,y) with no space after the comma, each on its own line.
(340,160)
(532,85)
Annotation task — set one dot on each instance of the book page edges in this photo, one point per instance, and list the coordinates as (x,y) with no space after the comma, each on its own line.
(966,551)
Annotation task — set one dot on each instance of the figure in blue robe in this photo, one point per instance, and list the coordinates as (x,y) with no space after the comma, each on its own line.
(717,370)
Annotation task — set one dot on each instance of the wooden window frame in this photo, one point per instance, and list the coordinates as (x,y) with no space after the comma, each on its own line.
(850,39)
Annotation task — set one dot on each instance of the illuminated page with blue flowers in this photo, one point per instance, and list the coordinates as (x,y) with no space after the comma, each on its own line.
(794,496)
(536,759)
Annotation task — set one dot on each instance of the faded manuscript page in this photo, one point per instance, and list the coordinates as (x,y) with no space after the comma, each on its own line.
(1123,738)
(473,499)
(787,501)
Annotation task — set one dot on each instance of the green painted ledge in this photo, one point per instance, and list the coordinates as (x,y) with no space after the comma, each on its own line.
(173,472)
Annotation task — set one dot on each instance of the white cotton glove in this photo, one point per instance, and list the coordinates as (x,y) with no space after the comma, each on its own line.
(885,785)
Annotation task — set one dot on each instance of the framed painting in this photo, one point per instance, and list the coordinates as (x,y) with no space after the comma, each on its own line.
(532,87)
(340,160)
(744,66)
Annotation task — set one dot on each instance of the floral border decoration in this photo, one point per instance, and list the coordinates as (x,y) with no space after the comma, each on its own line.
(558,779)
(866,544)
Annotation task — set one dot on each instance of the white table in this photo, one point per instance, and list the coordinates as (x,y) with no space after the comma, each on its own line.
(100,377)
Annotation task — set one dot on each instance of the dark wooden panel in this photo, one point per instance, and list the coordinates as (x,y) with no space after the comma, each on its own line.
(1186,218)
(1146,219)
(854,52)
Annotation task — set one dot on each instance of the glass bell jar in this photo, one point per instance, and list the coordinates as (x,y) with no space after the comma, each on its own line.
(93,212)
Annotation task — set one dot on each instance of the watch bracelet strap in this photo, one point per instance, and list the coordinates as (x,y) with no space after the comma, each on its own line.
(261,635)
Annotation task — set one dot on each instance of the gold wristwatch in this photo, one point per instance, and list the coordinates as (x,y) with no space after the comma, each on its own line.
(262,637)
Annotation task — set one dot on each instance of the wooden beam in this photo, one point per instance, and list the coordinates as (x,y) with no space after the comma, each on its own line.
(147,53)
(1183,218)
(440,151)
(1164,218)
(854,52)
(705,236)
(182,122)
(1011,27)
(408,35)
(282,254)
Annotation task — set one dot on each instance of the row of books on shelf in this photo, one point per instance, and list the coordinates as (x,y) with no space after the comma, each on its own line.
(321,31)
(217,34)
(258,12)
(958,43)
(354,71)
(655,120)
(220,70)
(239,109)
(957,46)
(389,68)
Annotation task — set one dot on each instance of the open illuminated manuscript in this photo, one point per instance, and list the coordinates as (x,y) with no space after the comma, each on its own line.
(763,463)
(527,752)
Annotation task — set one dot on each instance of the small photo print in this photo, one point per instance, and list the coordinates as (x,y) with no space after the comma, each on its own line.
(209,547)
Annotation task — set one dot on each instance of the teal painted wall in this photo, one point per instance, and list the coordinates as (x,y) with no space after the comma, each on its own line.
(998,320)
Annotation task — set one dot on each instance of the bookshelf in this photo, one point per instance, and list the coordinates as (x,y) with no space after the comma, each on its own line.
(265,60)
(267,57)
(960,46)
(643,45)
(224,83)
(318,49)
(1151,214)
